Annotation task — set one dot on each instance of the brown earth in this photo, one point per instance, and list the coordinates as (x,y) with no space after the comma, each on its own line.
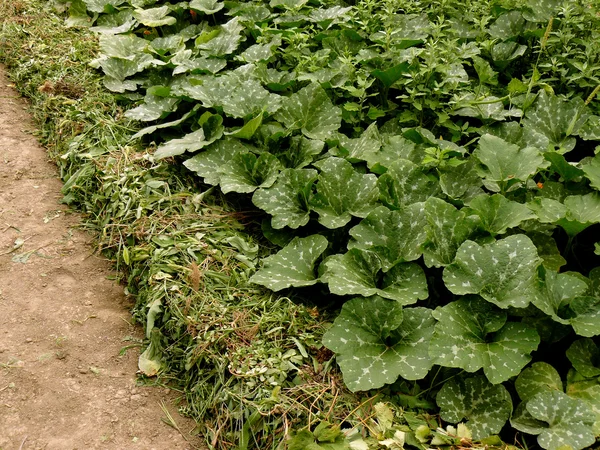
(63,383)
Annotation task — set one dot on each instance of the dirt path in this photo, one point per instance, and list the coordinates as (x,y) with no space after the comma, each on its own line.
(63,384)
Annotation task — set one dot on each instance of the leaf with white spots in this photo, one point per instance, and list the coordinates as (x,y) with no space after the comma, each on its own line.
(503,272)
(294,265)
(585,312)
(556,119)
(584,354)
(288,199)
(208,163)
(357,273)
(249,98)
(380,157)
(505,166)
(447,228)
(498,214)
(541,10)
(485,406)
(582,212)
(342,192)
(355,150)
(555,291)
(540,377)
(473,334)
(154,17)
(207,6)
(245,172)
(548,251)
(376,341)
(557,419)
(461,182)
(311,111)
(153,108)
(226,41)
(395,236)
(592,171)
(211,131)
(587,390)
(405,183)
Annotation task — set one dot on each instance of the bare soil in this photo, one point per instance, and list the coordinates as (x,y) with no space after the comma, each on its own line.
(63,323)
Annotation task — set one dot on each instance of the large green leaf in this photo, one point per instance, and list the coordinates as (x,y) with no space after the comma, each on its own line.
(288,199)
(498,214)
(311,111)
(556,119)
(245,172)
(472,334)
(548,251)
(125,47)
(208,163)
(355,150)
(357,273)
(153,108)
(447,228)
(248,98)
(461,182)
(505,166)
(584,354)
(380,159)
(555,292)
(404,183)
(540,377)
(557,419)
(211,130)
(587,390)
(207,6)
(342,192)
(485,406)
(154,17)
(376,342)
(582,212)
(293,265)
(585,318)
(225,42)
(395,236)
(503,272)
(592,172)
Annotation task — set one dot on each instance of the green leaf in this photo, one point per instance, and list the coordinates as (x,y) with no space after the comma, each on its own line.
(548,251)
(395,236)
(447,228)
(555,292)
(503,272)
(162,125)
(101,6)
(389,76)
(498,214)
(207,6)
(586,316)
(380,159)
(508,25)
(556,119)
(248,98)
(342,192)
(504,165)
(301,153)
(355,150)
(461,182)
(211,131)
(559,164)
(225,42)
(582,211)
(311,111)
(154,17)
(245,172)
(592,172)
(120,22)
(208,163)
(294,265)
(472,334)
(557,419)
(153,108)
(357,273)
(376,342)
(540,377)
(486,407)
(288,199)
(589,392)
(541,10)
(78,15)
(584,354)
(124,47)
(404,184)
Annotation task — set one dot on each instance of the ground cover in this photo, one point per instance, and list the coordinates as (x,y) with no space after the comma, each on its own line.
(397,154)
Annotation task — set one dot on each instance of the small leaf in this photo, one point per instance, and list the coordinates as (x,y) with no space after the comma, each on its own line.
(447,229)
(293,265)
(245,172)
(503,272)
(486,407)
(342,193)
(503,164)
(376,342)
(311,110)
(404,184)
(288,199)
(472,334)
(395,236)
(584,354)
(540,377)
(356,273)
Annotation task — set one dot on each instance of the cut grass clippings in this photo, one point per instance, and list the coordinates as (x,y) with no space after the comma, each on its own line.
(250,365)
